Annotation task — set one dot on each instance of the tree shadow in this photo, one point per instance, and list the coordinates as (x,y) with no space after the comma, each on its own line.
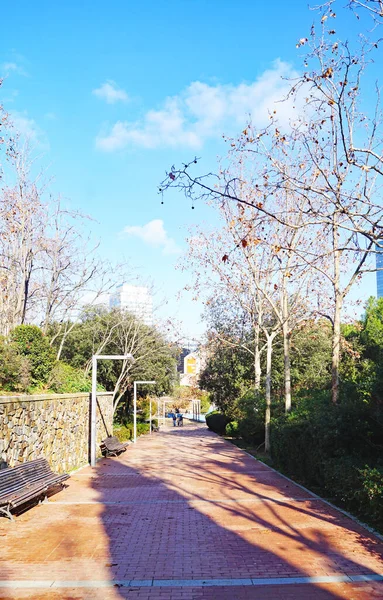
(183,507)
(174,522)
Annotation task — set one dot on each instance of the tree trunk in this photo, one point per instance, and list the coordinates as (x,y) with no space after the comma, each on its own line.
(63,339)
(27,279)
(286,349)
(337,314)
(287,367)
(268,391)
(336,352)
(257,361)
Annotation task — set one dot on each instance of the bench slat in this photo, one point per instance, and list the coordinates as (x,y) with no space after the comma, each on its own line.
(112,445)
(26,488)
(26,481)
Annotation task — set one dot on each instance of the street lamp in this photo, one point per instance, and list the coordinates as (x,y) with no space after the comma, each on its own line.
(93,405)
(135,407)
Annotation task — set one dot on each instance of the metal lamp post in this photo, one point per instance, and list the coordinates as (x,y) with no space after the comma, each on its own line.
(93,405)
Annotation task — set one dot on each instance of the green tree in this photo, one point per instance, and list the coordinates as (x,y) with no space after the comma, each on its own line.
(226,376)
(102,331)
(32,344)
(14,368)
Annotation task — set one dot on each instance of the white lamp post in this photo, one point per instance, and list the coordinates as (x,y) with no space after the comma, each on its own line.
(93,405)
(135,407)
(150,416)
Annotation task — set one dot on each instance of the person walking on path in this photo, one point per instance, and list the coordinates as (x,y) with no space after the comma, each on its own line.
(174,419)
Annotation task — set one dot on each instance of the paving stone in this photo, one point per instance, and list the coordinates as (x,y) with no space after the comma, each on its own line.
(185,515)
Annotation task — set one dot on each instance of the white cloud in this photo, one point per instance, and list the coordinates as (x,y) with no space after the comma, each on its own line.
(154,234)
(110,92)
(203,111)
(29,129)
(9,67)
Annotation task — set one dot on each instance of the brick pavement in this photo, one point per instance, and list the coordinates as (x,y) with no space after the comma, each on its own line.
(172,517)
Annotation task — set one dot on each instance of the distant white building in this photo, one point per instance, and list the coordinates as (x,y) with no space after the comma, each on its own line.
(134,299)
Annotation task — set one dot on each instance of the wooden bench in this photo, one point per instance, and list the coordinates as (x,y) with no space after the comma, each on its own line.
(111,446)
(25,482)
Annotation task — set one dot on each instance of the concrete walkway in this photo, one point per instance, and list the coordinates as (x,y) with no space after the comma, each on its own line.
(185,515)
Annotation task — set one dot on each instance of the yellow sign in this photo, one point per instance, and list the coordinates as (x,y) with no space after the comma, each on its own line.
(191,365)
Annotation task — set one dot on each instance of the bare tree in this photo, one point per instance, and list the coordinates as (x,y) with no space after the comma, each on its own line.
(6,135)
(49,266)
(73,274)
(22,225)
(329,158)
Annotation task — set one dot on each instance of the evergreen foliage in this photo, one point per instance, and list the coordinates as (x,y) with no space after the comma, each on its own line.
(336,449)
(217,422)
(33,345)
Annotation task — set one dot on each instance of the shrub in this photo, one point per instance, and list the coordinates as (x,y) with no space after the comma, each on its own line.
(205,403)
(251,407)
(217,422)
(123,432)
(370,496)
(31,343)
(66,379)
(14,369)
(126,431)
(142,428)
(232,429)
(328,447)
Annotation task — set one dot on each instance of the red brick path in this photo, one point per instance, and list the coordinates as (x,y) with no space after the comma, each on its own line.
(179,506)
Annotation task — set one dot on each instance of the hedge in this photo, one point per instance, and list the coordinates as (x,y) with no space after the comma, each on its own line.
(336,451)
(217,422)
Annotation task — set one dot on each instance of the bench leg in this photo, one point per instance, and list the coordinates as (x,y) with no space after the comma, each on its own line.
(7,512)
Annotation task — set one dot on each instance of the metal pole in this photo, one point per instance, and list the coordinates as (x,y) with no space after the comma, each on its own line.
(150,416)
(93,399)
(93,404)
(135,413)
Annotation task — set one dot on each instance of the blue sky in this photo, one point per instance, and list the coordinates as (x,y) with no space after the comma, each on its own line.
(114,93)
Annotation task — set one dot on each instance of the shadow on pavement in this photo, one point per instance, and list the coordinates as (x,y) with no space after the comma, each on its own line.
(187,505)
(191,511)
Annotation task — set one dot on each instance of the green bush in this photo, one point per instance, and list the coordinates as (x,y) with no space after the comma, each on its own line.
(251,407)
(217,422)
(370,495)
(32,344)
(327,447)
(142,428)
(65,379)
(14,369)
(123,432)
(205,402)
(126,431)
(232,429)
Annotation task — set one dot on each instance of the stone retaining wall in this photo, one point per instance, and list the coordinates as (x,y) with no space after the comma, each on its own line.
(55,426)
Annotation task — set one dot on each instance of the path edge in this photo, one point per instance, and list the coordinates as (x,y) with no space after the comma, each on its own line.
(302,487)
